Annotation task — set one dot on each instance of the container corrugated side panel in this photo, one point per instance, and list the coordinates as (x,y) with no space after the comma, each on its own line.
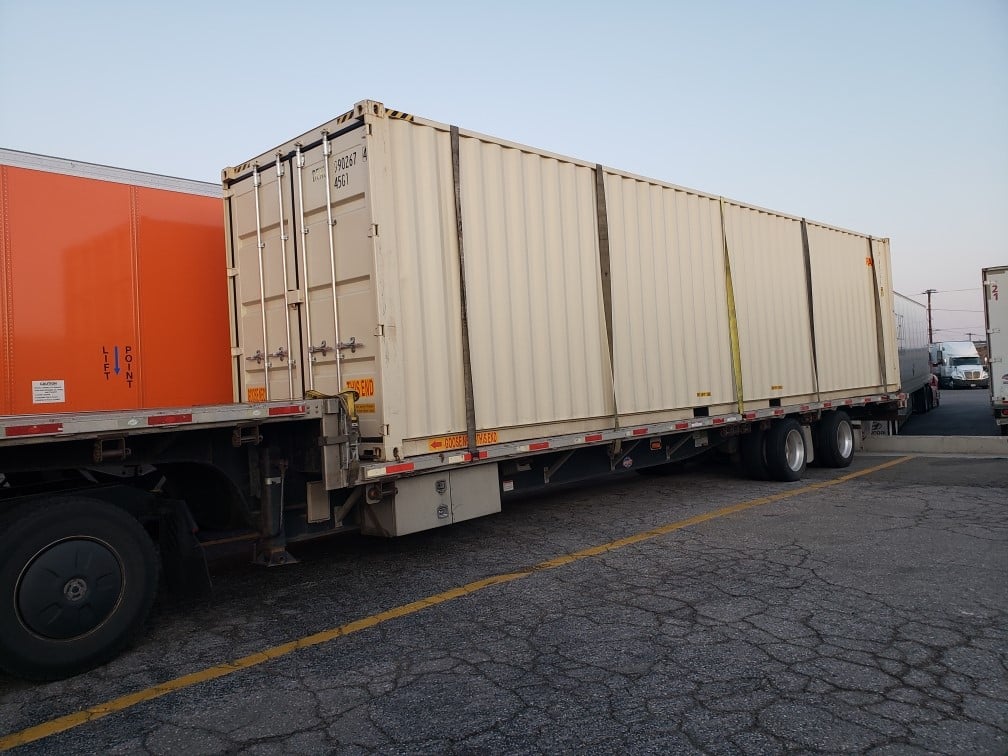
(845,310)
(426,242)
(670,324)
(771,304)
(540,359)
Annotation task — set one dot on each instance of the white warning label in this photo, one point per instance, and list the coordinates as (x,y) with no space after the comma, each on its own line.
(48,392)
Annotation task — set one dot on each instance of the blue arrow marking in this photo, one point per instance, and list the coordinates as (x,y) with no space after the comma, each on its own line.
(116,360)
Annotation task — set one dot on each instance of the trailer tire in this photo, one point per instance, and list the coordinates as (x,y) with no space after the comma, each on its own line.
(785,450)
(78,578)
(752,451)
(835,439)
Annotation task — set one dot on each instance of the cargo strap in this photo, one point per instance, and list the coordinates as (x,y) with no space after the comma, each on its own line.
(470,401)
(807,253)
(736,353)
(606,273)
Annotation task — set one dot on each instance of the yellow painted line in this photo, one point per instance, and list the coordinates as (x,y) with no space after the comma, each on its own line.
(61,724)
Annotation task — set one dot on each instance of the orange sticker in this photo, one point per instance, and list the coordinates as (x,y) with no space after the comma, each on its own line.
(363,386)
(256,393)
(460,440)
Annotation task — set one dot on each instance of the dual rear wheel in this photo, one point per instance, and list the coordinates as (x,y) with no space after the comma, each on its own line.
(779,452)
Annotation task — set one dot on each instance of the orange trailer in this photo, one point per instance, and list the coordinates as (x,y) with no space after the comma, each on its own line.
(113,289)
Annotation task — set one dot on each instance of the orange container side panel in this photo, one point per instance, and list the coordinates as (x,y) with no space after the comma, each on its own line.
(6,343)
(182,274)
(103,294)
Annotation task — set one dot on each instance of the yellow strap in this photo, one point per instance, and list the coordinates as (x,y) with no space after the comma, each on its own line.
(736,353)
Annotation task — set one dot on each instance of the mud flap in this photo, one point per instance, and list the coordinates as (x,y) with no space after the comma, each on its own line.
(183,560)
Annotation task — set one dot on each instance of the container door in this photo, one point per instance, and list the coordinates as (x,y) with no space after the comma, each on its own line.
(302,232)
(269,328)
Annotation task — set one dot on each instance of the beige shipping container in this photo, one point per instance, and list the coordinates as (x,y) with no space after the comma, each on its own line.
(476,291)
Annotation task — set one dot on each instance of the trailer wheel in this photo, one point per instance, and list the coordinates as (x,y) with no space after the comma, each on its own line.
(77,580)
(785,450)
(835,439)
(752,450)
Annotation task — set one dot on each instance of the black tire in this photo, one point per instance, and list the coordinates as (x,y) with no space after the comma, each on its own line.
(78,578)
(752,454)
(834,437)
(785,450)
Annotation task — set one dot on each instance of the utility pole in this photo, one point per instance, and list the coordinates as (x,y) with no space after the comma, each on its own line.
(929,292)
(969,335)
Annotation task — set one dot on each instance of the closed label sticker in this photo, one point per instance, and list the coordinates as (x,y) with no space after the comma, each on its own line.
(48,392)
(363,386)
(460,441)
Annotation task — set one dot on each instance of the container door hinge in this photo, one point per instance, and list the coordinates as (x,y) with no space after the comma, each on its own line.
(379,330)
(373,232)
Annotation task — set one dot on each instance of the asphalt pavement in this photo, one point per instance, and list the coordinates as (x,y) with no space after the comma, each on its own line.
(861,610)
(961,412)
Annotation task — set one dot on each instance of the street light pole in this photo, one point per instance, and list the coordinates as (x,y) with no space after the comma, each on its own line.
(929,292)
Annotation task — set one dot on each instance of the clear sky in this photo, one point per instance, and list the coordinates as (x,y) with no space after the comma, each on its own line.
(888,117)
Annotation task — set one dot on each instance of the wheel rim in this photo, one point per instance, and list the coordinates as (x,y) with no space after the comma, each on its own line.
(844,439)
(794,449)
(69,588)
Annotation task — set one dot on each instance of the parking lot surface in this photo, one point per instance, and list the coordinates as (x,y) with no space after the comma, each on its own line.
(861,610)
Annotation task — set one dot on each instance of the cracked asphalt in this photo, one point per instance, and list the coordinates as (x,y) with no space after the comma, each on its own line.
(870,616)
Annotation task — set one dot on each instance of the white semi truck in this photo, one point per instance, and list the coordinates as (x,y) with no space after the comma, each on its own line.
(995,286)
(958,365)
(425,321)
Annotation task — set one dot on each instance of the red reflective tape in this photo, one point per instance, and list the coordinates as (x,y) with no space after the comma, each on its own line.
(778,412)
(404,467)
(32,430)
(804,408)
(750,415)
(294,409)
(482,455)
(639,431)
(593,437)
(681,426)
(848,401)
(538,446)
(719,421)
(827,404)
(169,419)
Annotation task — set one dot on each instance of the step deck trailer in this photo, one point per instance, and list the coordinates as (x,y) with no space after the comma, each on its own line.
(425,321)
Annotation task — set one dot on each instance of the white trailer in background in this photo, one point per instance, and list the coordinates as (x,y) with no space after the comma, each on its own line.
(995,286)
(914,355)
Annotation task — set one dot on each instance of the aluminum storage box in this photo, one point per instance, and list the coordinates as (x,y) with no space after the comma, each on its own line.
(492,290)
(112,289)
